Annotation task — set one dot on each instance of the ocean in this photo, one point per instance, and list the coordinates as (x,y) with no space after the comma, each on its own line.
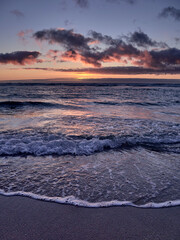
(91,144)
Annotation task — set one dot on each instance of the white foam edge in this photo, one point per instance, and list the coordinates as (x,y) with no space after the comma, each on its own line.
(71,200)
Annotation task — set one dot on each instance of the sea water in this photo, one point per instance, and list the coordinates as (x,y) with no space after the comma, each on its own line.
(91,144)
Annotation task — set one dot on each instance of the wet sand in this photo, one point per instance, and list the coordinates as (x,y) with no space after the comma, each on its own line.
(22,218)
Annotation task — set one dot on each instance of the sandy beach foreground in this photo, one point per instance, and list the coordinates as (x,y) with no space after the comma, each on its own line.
(22,218)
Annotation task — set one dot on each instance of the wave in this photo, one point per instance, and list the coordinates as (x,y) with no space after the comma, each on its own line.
(71,200)
(37,104)
(54,145)
(138,103)
(34,104)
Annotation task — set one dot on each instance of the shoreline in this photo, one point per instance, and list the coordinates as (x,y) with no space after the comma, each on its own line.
(26,218)
(71,200)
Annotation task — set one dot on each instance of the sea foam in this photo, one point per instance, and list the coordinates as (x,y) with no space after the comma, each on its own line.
(71,200)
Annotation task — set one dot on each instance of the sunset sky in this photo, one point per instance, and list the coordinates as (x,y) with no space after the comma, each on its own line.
(81,39)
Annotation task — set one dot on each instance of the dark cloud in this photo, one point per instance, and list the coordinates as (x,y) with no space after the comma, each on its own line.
(98,49)
(138,38)
(172,12)
(17,13)
(82,3)
(127,54)
(67,38)
(19,58)
(115,70)
(108,40)
(158,59)
(85,3)
(132,70)
(141,39)
(119,1)
(86,57)
(116,53)
(164,58)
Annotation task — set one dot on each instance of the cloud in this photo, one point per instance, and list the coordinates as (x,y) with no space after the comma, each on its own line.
(141,39)
(177,40)
(19,58)
(23,34)
(71,55)
(119,53)
(132,70)
(98,49)
(138,38)
(85,3)
(63,5)
(170,11)
(67,38)
(106,39)
(118,1)
(126,54)
(67,22)
(82,3)
(17,13)
(166,57)
(95,58)
(115,70)
(87,57)
(53,54)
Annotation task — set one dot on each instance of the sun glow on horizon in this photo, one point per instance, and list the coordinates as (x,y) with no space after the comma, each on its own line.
(38,74)
(81,76)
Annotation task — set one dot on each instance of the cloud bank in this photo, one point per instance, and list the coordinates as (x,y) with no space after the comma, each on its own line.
(114,70)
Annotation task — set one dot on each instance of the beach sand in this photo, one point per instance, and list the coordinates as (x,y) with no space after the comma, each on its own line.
(22,218)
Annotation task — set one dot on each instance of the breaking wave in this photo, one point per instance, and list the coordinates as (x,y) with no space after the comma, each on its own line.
(56,145)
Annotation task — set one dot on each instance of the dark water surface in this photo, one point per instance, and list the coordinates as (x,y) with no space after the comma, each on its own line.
(91,144)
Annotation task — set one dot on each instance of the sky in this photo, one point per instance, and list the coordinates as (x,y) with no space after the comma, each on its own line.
(85,39)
